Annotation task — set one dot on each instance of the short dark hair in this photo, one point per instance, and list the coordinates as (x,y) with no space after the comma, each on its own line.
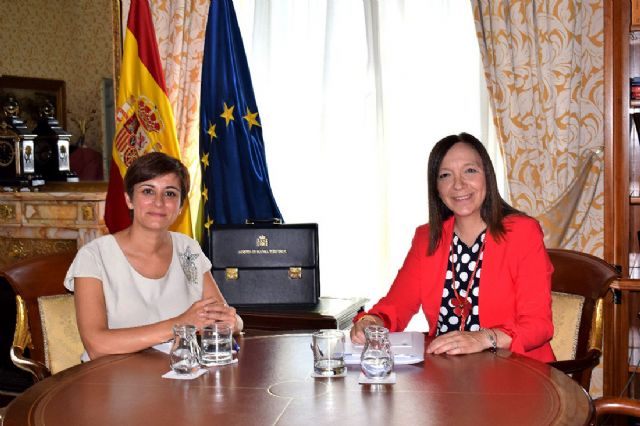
(494,208)
(156,164)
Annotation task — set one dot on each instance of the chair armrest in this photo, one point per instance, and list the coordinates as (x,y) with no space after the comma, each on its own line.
(613,405)
(589,361)
(38,370)
(629,284)
(21,341)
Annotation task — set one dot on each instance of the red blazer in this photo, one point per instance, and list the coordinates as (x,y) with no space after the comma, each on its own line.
(515,286)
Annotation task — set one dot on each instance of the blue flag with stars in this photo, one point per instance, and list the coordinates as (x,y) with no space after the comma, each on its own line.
(235,182)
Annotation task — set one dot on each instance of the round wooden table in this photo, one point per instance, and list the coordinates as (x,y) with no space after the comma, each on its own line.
(272,385)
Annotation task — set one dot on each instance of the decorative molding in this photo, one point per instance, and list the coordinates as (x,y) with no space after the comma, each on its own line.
(23,248)
(88,213)
(7,213)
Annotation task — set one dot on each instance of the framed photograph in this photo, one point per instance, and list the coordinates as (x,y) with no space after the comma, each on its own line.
(31,94)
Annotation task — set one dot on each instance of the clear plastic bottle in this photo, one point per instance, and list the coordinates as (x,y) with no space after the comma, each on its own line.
(376,360)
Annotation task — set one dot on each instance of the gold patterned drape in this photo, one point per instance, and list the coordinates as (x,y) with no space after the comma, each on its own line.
(543,64)
(180,29)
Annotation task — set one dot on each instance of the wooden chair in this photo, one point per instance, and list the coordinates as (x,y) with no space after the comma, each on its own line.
(38,284)
(616,406)
(579,283)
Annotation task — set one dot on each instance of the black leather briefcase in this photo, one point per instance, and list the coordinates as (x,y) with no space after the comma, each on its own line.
(266,264)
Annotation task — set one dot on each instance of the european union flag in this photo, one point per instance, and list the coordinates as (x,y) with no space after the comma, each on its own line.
(235,182)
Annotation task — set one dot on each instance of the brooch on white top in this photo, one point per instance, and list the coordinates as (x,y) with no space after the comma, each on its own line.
(188,263)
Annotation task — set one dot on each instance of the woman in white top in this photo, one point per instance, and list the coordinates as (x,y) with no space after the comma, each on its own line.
(131,287)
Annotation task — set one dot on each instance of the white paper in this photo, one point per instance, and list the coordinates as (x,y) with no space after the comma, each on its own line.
(389,380)
(407,348)
(173,375)
(164,347)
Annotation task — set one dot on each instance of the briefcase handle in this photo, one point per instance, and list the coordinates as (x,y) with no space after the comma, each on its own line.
(272,221)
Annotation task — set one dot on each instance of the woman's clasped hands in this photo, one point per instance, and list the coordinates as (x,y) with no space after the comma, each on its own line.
(207,311)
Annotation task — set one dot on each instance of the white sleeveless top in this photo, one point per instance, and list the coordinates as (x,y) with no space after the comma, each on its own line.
(131,299)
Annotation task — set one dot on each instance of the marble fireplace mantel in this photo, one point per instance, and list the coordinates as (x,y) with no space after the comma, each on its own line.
(59,217)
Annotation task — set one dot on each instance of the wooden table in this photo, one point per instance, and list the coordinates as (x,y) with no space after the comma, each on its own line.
(329,312)
(271,385)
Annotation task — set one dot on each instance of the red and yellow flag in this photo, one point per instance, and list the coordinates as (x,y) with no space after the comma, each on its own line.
(144,117)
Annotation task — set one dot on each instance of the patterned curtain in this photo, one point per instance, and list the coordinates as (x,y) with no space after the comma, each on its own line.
(543,63)
(180,26)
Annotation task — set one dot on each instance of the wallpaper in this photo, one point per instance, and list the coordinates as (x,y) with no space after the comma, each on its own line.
(63,40)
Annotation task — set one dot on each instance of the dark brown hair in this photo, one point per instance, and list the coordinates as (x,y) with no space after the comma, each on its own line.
(494,209)
(156,164)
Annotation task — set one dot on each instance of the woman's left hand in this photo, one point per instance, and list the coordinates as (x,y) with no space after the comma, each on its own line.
(460,342)
(220,312)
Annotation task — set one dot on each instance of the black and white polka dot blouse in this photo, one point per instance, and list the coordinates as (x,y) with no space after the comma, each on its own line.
(465,259)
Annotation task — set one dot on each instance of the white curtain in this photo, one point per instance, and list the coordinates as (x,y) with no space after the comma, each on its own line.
(352,95)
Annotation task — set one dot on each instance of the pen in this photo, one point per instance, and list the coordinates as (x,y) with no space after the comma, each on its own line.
(236,346)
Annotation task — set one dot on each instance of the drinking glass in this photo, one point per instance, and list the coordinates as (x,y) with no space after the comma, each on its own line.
(328,353)
(376,361)
(216,344)
(184,351)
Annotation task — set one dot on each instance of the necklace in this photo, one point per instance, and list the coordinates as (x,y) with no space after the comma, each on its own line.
(462,305)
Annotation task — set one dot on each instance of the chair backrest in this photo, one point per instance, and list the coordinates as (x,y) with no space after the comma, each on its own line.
(567,317)
(579,283)
(31,279)
(62,344)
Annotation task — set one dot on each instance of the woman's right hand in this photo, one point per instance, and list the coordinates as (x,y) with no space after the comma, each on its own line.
(198,314)
(357,331)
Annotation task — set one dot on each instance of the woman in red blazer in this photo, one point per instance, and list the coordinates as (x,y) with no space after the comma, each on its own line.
(479,269)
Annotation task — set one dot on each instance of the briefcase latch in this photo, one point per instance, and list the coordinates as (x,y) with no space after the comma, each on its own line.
(295,272)
(231,274)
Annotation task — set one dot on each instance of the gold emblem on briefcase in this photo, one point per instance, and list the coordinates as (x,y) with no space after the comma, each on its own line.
(262,241)
(231,274)
(295,273)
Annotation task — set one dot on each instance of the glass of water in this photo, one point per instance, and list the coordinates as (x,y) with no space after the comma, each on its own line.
(328,353)
(216,344)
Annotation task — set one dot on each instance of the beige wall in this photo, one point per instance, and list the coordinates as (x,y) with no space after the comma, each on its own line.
(70,40)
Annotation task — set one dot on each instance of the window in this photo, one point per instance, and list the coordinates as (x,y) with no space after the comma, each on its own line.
(352,96)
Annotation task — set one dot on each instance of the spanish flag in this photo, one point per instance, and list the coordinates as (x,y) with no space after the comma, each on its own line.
(144,117)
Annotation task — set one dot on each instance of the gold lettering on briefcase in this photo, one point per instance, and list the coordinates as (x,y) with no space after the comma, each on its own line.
(231,274)
(295,272)
(262,241)
(263,251)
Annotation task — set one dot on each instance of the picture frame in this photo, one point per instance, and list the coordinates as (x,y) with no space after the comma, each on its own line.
(31,93)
